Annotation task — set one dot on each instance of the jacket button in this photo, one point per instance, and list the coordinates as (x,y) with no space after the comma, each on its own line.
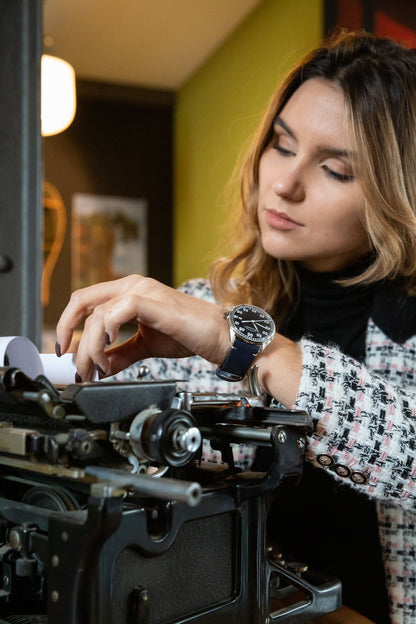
(325,460)
(358,477)
(342,471)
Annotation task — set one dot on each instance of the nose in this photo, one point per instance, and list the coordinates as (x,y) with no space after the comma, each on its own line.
(289,182)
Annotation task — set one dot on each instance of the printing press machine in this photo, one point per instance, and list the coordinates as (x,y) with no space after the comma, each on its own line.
(108,515)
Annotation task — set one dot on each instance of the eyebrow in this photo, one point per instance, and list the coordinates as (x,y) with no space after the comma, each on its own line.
(332,151)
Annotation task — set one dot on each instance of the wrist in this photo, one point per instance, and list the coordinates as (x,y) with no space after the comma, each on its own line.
(280,369)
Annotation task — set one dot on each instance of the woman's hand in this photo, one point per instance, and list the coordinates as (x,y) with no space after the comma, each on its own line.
(170,324)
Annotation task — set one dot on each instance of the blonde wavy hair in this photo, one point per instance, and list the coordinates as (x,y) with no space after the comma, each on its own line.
(378,79)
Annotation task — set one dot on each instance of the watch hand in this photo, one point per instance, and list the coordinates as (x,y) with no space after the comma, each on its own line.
(256,324)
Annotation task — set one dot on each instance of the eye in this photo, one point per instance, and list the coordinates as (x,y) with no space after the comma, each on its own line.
(282,150)
(336,175)
(281,145)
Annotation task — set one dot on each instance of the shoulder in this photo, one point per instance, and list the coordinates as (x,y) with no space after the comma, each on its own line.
(394,312)
(198,287)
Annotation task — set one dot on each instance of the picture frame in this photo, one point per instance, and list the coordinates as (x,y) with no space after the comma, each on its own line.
(109,238)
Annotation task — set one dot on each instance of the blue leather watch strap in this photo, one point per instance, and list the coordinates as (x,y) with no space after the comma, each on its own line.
(238,361)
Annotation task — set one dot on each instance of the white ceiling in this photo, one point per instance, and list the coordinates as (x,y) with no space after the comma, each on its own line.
(147,43)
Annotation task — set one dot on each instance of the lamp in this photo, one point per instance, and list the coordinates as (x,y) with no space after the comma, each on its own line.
(58,95)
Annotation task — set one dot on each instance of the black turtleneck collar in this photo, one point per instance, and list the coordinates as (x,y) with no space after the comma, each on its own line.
(331,313)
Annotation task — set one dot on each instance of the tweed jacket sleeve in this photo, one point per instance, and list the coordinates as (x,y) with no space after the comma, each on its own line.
(365,418)
(364,424)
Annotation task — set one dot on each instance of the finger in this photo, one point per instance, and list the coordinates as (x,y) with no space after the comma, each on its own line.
(81,303)
(91,355)
(100,329)
(106,320)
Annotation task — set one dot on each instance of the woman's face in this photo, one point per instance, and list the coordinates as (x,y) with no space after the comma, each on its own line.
(310,199)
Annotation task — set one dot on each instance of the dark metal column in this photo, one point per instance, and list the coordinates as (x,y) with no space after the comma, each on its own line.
(21,212)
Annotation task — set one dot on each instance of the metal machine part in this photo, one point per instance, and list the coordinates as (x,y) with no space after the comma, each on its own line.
(168,437)
(109,515)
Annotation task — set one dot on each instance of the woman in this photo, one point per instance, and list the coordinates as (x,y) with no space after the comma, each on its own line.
(327,246)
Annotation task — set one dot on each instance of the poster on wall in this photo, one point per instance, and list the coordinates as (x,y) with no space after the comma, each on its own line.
(109,238)
(386,18)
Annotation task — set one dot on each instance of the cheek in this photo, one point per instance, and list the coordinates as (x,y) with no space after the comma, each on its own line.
(343,210)
(353,220)
(347,229)
(266,170)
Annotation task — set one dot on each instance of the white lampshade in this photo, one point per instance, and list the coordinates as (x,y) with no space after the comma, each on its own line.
(58,95)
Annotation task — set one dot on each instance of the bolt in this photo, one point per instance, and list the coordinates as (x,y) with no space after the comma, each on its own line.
(15,538)
(45,397)
(282,437)
(86,446)
(58,411)
(301,443)
(297,567)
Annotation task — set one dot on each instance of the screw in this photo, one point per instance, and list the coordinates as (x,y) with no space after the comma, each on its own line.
(297,567)
(58,411)
(15,538)
(86,446)
(282,437)
(301,443)
(45,397)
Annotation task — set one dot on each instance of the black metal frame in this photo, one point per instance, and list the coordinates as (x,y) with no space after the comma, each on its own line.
(21,247)
(127,554)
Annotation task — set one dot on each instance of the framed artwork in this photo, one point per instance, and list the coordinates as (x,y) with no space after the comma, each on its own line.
(386,18)
(109,238)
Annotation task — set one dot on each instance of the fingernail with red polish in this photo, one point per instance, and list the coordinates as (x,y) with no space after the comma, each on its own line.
(58,348)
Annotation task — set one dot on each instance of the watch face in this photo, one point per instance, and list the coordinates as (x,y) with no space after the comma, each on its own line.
(252,323)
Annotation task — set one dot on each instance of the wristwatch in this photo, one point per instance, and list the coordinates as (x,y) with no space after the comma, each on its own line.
(251,330)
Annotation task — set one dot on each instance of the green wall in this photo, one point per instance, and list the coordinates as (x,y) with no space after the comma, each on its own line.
(218,110)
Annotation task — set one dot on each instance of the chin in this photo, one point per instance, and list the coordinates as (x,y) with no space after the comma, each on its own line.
(280,252)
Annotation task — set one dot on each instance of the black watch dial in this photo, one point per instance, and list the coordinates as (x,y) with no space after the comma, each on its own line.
(252,323)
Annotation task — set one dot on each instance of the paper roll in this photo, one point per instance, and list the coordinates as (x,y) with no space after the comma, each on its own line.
(20,352)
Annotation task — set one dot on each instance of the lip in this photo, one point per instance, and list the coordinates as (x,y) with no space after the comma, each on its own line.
(280,220)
